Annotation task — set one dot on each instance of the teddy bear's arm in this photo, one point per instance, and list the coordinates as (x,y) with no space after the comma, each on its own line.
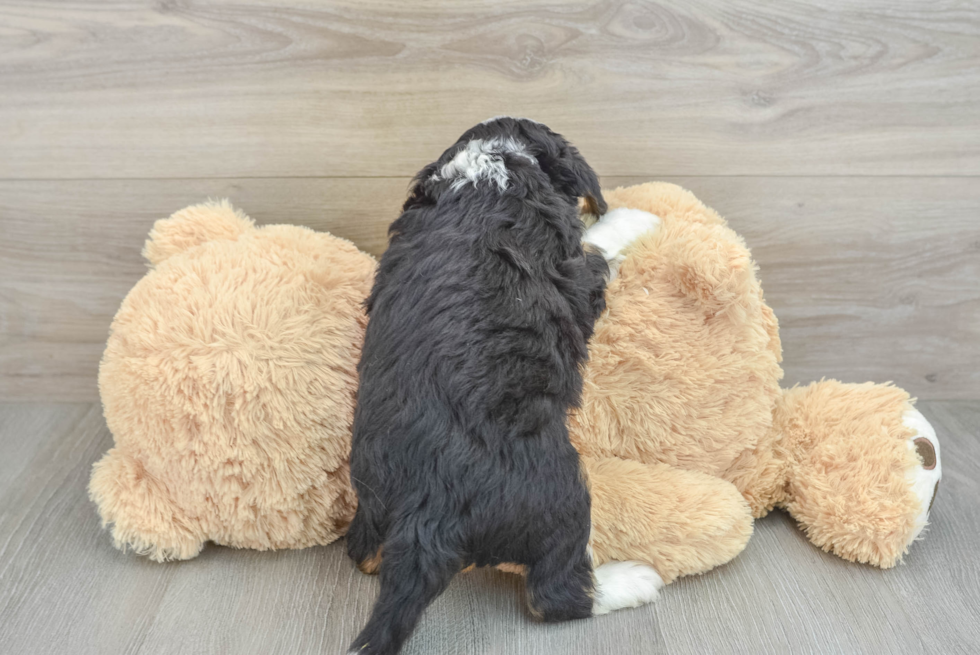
(680,522)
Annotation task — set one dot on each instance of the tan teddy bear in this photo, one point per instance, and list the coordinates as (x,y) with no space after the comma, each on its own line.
(229,380)
(683,377)
(228,383)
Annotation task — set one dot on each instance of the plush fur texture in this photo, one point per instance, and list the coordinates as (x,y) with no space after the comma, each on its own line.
(684,372)
(228,383)
(825,469)
(479,322)
(215,437)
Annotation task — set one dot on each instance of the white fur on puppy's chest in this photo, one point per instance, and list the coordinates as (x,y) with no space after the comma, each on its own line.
(617,230)
(619,585)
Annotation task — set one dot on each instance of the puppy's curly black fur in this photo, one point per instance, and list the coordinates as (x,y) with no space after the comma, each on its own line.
(479,321)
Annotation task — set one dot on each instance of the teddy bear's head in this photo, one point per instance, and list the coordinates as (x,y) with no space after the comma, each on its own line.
(228,383)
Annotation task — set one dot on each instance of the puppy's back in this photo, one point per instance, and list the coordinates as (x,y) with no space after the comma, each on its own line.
(479,321)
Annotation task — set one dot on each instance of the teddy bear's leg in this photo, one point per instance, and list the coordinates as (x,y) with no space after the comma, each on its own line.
(193,226)
(863,468)
(144,518)
(680,522)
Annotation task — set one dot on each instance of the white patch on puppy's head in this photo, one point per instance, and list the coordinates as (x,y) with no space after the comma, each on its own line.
(482,159)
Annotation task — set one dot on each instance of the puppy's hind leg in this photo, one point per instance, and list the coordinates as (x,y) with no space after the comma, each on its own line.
(413,574)
(559,585)
(365,539)
(619,585)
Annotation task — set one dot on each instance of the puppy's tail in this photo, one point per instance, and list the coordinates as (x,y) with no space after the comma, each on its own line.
(415,569)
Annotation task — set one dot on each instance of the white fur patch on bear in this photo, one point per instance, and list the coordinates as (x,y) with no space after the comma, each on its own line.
(617,230)
(619,585)
(923,480)
(482,160)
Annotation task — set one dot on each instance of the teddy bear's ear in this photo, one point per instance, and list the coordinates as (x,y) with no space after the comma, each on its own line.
(193,226)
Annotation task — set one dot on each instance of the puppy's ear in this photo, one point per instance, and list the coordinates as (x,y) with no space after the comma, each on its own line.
(586,186)
(419,193)
(567,168)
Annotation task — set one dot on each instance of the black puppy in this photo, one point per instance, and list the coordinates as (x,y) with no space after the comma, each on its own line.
(479,321)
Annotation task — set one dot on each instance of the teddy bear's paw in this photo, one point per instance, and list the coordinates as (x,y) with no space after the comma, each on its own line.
(617,231)
(619,585)
(924,476)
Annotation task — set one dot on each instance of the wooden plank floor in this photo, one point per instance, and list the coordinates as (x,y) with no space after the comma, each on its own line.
(256,88)
(64,589)
(841,138)
(871,278)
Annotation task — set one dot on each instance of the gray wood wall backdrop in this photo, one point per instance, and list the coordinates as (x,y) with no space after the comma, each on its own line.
(841,138)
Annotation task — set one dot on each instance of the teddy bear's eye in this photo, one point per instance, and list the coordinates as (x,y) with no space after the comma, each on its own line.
(926,453)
